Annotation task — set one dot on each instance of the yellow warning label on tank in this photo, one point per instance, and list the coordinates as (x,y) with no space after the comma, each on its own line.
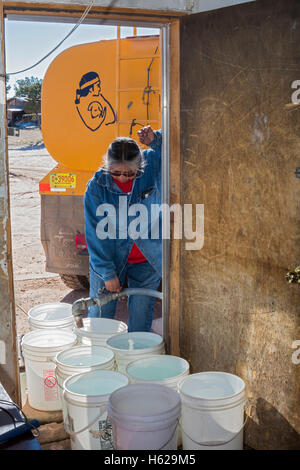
(62,180)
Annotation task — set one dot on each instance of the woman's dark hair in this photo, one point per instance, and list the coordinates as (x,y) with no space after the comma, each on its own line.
(84,89)
(124,150)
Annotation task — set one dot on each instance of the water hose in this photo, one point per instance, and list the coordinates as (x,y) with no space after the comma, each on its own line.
(105,297)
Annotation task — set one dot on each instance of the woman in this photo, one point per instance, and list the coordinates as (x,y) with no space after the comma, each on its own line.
(127,177)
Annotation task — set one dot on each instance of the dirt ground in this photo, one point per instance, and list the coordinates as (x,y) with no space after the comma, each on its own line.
(29,162)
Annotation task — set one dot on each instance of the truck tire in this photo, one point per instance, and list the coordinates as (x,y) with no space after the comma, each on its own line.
(75,282)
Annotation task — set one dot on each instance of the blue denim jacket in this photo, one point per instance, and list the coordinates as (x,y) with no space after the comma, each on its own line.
(108,257)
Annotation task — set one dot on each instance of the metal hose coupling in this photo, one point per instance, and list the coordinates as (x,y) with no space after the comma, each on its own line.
(104,297)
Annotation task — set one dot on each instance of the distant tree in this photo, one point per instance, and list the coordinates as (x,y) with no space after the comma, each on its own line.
(30,89)
(8,87)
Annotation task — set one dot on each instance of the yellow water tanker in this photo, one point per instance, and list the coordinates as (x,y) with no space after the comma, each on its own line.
(91,94)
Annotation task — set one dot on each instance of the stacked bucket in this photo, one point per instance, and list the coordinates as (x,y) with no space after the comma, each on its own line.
(119,390)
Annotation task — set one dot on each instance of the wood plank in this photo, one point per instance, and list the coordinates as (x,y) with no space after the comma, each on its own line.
(175,187)
(9,373)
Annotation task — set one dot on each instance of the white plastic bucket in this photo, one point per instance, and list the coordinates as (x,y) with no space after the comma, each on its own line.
(144,417)
(164,370)
(52,315)
(86,396)
(135,345)
(212,411)
(96,331)
(39,349)
(81,359)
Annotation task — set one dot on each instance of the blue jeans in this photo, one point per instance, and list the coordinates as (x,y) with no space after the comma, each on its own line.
(141,307)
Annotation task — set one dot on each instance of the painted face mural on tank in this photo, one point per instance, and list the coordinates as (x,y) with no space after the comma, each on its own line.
(92,107)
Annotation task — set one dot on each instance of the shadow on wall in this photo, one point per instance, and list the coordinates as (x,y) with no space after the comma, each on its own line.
(268,418)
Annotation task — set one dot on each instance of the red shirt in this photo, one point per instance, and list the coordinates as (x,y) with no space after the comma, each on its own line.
(135,255)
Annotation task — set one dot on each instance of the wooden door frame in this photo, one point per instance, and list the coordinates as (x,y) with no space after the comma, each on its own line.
(10,379)
(9,370)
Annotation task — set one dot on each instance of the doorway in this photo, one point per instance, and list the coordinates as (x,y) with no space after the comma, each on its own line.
(164,61)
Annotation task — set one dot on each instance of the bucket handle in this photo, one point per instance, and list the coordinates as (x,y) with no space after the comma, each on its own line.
(210,444)
(59,386)
(75,433)
(50,359)
(176,425)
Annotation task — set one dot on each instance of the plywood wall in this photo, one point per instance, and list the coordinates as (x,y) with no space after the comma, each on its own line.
(240,146)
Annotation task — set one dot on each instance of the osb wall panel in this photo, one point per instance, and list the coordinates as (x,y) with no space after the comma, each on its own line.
(240,146)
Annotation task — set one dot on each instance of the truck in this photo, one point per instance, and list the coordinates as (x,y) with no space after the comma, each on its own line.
(91,94)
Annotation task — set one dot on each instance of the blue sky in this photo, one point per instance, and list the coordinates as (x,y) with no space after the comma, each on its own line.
(26,42)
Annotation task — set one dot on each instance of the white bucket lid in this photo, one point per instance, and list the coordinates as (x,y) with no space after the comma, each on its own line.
(84,356)
(95,327)
(51,312)
(134,341)
(47,341)
(212,389)
(139,404)
(158,367)
(93,387)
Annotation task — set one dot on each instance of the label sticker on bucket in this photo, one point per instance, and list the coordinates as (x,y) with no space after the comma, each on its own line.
(105,429)
(50,385)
